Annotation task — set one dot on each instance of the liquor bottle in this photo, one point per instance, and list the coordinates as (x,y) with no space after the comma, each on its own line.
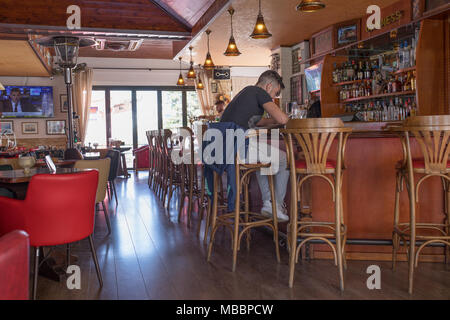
(413,80)
(360,71)
(400,56)
(344,72)
(351,71)
(367,71)
(406,55)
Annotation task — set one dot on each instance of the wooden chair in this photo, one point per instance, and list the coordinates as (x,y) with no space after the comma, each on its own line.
(240,222)
(103,166)
(315,137)
(432,134)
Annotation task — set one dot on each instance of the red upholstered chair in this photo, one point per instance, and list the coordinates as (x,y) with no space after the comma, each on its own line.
(58,209)
(14,265)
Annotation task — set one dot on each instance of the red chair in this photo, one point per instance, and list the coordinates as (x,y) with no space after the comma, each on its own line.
(58,209)
(14,266)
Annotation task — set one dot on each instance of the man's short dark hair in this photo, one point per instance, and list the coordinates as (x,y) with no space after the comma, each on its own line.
(270,76)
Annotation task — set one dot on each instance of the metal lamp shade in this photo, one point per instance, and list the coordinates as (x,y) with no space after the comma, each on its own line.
(200,85)
(66,50)
(232,49)
(191,73)
(209,64)
(180,81)
(260,31)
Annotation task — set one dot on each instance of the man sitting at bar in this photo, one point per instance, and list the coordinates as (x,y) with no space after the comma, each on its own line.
(246,110)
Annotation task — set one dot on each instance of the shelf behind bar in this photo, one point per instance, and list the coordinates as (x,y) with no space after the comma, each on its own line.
(405,70)
(347,82)
(402,93)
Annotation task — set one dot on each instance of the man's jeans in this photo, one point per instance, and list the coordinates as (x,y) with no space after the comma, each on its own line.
(279,161)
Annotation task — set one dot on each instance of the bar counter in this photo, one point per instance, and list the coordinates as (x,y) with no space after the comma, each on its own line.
(371,155)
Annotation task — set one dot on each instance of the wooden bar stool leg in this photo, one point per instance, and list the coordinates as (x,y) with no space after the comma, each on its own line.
(237,210)
(275,217)
(208,216)
(338,199)
(293,229)
(201,203)
(395,236)
(247,209)
(214,215)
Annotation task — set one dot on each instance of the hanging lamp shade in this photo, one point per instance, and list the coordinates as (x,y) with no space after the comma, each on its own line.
(180,81)
(1,87)
(191,73)
(310,5)
(260,31)
(232,50)
(200,85)
(209,64)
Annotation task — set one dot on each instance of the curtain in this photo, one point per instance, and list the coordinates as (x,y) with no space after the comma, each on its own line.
(239,83)
(204,96)
(82,90)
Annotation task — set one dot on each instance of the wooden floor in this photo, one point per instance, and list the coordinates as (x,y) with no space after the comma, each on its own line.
(149,255)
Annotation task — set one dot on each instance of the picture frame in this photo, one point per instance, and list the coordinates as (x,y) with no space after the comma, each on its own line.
(30,128)
(56,127)
(6,125)
(347,32)
(63,102)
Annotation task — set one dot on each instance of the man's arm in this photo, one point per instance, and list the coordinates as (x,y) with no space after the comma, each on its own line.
(275,112)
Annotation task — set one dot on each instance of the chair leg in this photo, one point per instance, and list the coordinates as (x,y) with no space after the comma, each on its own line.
(213,216)
(36,272)
(68,255)
(207,221)
(108,222)
(97,267)
(275,217)
(113,184)
(395,237)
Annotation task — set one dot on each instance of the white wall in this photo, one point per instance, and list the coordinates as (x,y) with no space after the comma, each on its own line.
(58,88)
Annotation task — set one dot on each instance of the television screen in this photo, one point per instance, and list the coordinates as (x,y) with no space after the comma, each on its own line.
(313,76)
(26,102)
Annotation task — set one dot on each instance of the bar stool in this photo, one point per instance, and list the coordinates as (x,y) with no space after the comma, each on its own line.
(166,146)
(241,222)
(315,137)
(151,156)
(432,134)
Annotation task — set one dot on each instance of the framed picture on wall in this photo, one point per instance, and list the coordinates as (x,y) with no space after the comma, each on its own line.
(56,126)
(6,126)
(63,102)
(29,128)
(347,32)
(214,88)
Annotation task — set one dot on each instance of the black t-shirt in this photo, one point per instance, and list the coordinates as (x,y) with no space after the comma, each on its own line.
(246,105)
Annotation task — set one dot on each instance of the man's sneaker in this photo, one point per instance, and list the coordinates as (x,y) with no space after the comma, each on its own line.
(281,212)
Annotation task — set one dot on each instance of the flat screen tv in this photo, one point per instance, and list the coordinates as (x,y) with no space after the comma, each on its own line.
(26,102)
(313,76)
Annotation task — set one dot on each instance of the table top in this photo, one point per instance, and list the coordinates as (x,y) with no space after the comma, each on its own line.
(58,163)
(18,176)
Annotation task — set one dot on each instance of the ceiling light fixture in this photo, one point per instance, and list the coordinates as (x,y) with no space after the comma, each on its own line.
(209,64)
(260,31)
(200,85)
(180,81)
(232,50)
(191,73)
(310,5)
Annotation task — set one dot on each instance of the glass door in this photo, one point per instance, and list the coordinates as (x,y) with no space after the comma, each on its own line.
(147,114)
(122,120)
(172,109)
(96,127)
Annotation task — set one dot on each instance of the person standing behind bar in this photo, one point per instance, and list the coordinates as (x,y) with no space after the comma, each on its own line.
(246,110)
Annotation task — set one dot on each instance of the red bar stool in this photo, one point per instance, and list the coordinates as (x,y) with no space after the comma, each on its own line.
(315,137)
(432,134)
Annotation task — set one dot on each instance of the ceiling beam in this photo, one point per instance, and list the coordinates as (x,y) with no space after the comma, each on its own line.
(167,9)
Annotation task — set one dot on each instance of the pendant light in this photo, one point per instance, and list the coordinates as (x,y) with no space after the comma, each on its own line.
(209,64)
(180,81)
(200,85)
(191,73)
(232,50)
(310,5)
(260,31)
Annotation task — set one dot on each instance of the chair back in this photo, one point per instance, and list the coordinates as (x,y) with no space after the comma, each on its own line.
(14,265)
(114,155)
(432,134)
(315,137)
(102,166)
(13,162)
(60,207)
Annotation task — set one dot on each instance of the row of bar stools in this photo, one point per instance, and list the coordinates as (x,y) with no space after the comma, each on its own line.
(432,134)
(315,138)
(240,222)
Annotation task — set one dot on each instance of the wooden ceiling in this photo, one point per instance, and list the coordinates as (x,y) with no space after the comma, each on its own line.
(168,27)
(20,59)
(287,26)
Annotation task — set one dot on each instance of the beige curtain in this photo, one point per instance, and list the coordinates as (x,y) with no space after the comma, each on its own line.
(204,96)
(240,83)
(82,90)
